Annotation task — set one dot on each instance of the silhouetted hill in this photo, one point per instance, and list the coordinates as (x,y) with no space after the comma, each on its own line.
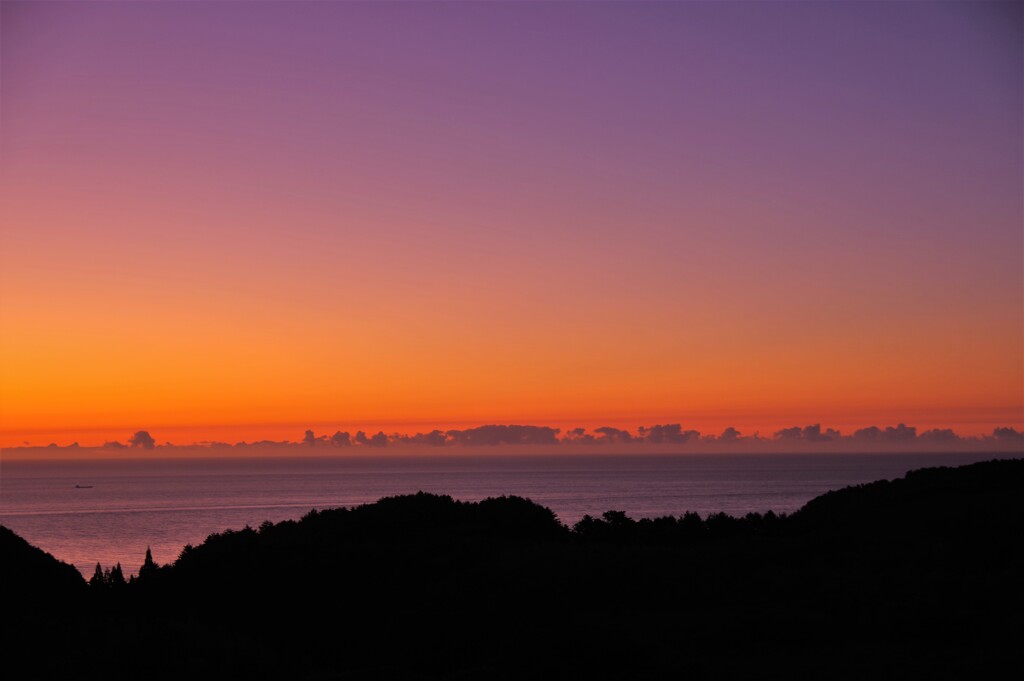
(30,577)
(929,500)
(914,578)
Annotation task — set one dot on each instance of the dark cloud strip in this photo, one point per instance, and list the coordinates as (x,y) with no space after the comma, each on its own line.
(871,437)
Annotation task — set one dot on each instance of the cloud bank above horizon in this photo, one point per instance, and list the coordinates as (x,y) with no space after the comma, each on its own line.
(900,437)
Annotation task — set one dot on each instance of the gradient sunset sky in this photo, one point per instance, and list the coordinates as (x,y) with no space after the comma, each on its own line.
(237,220)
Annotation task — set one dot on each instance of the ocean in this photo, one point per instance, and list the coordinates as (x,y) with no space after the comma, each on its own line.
(109,511)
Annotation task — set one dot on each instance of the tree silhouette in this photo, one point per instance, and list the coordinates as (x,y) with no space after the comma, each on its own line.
(117,577)
(148,566)
(97,579)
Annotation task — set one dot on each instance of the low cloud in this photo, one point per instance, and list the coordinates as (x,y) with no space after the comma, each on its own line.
(142,439)
(900,437)
(607,434)
(435,438)
(505,435)
(899,433)
(869,434)
(811,433)
(311,440)
(378,440)
(670,433)
(265,443)
(939,435)
(1007,435)
(579,436)
(730,434)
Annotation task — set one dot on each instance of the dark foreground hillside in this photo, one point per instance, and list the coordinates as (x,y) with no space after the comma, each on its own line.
(915,578)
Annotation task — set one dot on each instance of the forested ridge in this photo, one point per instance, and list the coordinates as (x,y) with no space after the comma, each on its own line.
(918,577)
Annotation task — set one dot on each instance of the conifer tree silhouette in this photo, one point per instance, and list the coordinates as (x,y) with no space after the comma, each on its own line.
(148,566)
(98,579)
(117,577)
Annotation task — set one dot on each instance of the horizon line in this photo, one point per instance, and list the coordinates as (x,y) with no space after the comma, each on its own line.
(495,434)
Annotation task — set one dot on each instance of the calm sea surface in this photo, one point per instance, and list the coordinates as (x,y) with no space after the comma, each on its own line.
(165,504)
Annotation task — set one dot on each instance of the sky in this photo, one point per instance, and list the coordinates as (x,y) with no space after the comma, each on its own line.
(234,221)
